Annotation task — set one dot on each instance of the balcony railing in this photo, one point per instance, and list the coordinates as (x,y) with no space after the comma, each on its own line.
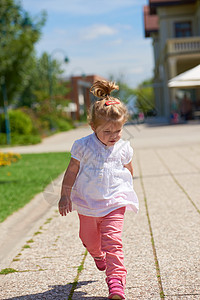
(187,45)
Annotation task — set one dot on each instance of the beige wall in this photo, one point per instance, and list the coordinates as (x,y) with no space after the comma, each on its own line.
(168,65)
(169,15)
(197,19)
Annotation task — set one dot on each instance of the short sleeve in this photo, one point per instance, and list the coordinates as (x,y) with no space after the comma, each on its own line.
(127,153)
(77,150)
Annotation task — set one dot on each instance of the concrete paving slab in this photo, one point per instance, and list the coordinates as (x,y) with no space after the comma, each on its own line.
(176,230)
(190,154)
(60,142)
(145,137)
(188,182)
(140,136)
(52,260)
(47,269)
(139,260)
(186,173)
(21,225)
(176,162)
(91,284)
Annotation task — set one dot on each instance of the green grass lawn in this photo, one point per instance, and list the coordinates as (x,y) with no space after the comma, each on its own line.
(21,181)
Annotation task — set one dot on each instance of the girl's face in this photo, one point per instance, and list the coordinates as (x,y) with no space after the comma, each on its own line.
(109,133)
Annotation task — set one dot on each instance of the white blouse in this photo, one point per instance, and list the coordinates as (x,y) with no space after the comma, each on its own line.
(103,184)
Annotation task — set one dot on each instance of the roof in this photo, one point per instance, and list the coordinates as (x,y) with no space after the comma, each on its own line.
(153,4)
(169,2)
(190,78)
(150,22)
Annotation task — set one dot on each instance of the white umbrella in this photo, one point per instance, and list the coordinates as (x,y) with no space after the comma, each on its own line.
(190,78)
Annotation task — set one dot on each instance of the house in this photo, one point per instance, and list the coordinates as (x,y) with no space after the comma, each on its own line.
(80,94)
(174,26)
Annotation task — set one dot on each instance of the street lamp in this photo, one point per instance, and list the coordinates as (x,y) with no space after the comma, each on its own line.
(66,60)
(78,72)
(5,105)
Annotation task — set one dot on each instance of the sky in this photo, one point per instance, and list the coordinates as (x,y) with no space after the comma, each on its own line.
(102,37)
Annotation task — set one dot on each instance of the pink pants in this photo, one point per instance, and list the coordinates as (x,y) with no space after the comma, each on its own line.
(103,236)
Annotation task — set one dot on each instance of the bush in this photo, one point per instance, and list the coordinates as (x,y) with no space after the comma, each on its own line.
(28,127)
(64,125)
(25,139)
(20,123)
(56,123)
(20,139)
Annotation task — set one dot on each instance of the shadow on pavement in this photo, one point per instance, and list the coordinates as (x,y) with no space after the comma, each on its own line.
(60,292)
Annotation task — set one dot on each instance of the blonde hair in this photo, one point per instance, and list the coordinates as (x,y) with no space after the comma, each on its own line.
(107,108)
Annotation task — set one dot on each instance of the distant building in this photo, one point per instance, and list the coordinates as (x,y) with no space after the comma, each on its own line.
(80,94)
(174,26)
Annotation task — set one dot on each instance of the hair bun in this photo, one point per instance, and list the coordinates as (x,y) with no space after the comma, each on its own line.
(103,88)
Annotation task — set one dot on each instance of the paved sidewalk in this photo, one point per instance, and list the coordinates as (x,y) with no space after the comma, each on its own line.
(161,243)
(60,142)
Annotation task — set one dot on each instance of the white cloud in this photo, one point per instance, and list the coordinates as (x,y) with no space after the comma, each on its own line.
(133,59)
(133,69)
(95,44)
(97,30)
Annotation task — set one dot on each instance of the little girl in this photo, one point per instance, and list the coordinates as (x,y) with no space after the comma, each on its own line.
(98,184)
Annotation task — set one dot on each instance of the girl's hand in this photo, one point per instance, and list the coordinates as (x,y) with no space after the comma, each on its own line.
(129,166)
(64,205)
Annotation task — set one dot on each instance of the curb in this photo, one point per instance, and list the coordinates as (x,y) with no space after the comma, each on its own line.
(21,225)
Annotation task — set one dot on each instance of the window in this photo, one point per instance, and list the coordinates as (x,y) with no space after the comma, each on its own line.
(183,29)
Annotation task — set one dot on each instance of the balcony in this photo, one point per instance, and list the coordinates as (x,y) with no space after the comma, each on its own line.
(179,46)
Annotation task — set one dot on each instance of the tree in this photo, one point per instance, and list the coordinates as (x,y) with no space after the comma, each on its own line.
(124,91)
(137,100)
(145,98)
(44,82)
(18,35)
